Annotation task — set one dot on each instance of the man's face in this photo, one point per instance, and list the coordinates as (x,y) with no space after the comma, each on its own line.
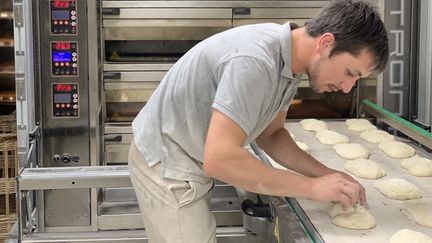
(339,72)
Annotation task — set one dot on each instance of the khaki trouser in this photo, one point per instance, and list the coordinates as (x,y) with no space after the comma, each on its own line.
(173,211)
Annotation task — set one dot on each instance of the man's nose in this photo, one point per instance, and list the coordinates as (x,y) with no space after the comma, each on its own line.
(347,85)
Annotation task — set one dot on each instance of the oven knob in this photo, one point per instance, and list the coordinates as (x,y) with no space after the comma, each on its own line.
(66,158)
(56,157)
(75,158)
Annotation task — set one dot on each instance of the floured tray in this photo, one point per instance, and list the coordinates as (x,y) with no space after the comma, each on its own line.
(386,211)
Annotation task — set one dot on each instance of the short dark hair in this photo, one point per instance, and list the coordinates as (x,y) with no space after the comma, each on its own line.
(356,25)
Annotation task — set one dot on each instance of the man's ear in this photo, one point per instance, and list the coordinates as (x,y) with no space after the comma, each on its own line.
(325,43)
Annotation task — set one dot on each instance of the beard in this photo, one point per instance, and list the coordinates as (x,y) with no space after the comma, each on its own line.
(313,76)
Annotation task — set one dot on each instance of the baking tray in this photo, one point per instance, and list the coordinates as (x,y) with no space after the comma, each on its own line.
(386,211)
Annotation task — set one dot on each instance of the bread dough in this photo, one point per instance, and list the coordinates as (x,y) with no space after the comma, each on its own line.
(331,137)
(359,125)
(417,166)
(351,151)
(406,235)
(364,168)
(397,150)
(292,135)
(398,189)
(313,124)
(302,146)
(356,217)
(418,210)
(376,136)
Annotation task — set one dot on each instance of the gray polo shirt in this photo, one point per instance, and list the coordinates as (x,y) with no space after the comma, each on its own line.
(244,72)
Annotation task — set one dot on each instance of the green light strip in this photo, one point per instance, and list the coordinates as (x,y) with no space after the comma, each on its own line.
(398,119)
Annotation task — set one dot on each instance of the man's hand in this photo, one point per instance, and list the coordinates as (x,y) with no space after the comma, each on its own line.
(338,187)
(362,192)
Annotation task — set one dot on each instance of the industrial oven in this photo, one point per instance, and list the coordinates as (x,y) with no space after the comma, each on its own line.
(84,69)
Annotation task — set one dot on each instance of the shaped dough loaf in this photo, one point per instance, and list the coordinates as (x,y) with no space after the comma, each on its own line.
(313,125)
(302,146)
(398,189)
(331,137)
(397,150)
(359,125)
(351,151)
(356,217)
(417,166)
(364,168)
(406,235)
(376,136)
(418,210)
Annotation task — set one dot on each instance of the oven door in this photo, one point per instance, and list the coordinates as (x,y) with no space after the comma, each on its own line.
(128,86)
(144,20)
(275,12)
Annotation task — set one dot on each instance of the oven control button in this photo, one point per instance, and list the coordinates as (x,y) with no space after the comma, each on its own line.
(75,107)
(56,157)
(65,158)
(75,158)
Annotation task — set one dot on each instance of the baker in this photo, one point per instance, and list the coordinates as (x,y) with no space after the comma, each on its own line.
(235,88)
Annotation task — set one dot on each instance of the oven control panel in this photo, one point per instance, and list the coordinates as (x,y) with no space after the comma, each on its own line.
(65,100)
(64,58)
(63,17)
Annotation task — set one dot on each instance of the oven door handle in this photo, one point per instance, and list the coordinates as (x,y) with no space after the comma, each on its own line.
(111,11)
(111,75)
(116,138)
(241,11)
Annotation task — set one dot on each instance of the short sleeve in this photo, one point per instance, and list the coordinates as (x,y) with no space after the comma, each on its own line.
(241,90)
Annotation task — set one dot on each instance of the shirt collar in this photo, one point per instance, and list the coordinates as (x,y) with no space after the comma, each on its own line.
(286,38)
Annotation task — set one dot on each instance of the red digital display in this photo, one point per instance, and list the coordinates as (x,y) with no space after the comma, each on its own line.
(62,46)
(61,4)
(63,87)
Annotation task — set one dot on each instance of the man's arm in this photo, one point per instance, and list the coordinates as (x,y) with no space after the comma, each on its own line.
(278,144)
(226,159)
